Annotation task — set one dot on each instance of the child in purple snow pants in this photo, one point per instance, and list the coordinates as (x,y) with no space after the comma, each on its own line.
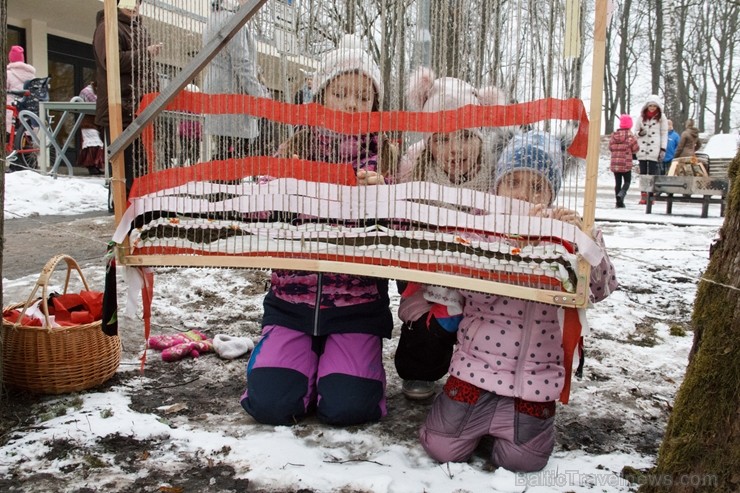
(322,333)
(340,376)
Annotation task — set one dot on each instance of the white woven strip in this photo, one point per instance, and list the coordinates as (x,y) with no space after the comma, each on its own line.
(348,203)
(312,239)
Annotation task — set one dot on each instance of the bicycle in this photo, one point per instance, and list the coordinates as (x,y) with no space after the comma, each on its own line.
(22,148)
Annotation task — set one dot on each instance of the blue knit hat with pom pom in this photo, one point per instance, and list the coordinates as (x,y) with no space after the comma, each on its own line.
(540,152)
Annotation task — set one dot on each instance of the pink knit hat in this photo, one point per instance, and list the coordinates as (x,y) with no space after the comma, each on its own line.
(429,94)
(16,54)
(625,121)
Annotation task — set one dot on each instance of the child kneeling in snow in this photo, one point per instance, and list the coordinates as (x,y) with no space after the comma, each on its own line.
(322,333)
(507,369)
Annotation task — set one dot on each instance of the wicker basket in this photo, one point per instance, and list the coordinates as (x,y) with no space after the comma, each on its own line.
(57,360)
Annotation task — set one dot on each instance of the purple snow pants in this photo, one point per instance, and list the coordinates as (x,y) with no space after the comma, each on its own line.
(522,443)
(291,373)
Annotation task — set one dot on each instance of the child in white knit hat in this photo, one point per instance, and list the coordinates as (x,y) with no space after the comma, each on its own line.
(347,80)
(463,158)
(321,347)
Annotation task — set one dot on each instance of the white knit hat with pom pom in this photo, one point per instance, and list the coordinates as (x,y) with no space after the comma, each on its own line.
(428,94)
(348,57)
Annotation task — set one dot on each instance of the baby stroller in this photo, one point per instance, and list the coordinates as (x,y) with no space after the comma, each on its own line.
(25,142)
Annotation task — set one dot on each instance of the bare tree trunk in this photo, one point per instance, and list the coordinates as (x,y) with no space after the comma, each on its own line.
(682,108)
(702,103)
(617,72)
(722,38)
(701,447)
(482,39)
(622,67)
(549,55)
(670,74)
(446,29)
(729,40)
(349,26)
(3,77)
(577,69)
(391,44)
(656,55)
(401,56)
(703,95)
(609,99)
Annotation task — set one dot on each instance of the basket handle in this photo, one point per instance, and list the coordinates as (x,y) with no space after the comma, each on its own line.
(43,283)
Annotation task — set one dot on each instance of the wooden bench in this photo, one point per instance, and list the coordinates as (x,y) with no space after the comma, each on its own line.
(704,190)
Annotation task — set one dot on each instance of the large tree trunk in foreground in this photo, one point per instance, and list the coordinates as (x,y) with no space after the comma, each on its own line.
(701,448)
(3,64)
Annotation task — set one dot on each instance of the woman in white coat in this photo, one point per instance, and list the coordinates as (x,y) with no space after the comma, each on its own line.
(651,130)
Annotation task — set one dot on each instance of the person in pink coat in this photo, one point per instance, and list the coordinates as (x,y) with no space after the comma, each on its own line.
(18,72)
(507,370)
(622,145)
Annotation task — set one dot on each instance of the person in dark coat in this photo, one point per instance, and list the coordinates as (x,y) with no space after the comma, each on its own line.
(689,143)
(137,77)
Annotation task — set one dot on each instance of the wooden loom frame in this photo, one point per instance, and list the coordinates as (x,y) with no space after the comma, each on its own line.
(122,139)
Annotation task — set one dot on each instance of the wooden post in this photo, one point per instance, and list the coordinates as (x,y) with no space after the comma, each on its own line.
(3,49)
(115,108)
(594,140)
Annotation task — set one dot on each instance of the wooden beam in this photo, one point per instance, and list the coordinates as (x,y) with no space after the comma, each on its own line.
(594,142)
(115,107)
(186,75)
(386,272)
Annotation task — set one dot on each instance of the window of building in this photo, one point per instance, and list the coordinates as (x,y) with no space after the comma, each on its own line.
(15,36)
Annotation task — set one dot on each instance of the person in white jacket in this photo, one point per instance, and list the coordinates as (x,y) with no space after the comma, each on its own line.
(18,72)
(651,129)
(233,71)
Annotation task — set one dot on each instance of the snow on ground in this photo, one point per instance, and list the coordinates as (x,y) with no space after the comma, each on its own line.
(30,194)
(636,358)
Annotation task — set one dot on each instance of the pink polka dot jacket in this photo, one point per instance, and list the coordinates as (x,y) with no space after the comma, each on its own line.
(514,347)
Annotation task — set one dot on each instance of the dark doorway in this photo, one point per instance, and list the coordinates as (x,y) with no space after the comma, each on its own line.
(71,67)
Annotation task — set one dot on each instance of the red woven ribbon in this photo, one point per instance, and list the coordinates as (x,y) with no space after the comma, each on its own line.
(387,121)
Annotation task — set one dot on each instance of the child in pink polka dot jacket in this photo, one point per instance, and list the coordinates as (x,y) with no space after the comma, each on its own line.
(507,370)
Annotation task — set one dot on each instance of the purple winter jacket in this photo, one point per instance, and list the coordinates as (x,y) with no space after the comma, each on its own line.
(513,347)
(326,303)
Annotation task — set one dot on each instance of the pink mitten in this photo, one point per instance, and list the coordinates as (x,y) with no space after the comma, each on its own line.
(192,348)
(165,341)
(178,352)
(200,347)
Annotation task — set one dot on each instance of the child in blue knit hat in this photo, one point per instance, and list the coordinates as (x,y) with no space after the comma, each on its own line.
(530,168)
(508,370)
